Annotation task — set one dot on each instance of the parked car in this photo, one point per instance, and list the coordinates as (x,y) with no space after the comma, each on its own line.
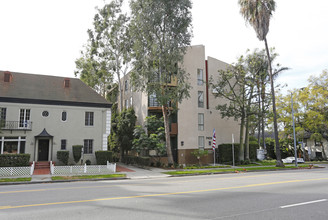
(292,160)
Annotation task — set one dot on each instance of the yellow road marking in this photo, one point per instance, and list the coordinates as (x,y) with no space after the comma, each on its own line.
(161,194)
(108,186)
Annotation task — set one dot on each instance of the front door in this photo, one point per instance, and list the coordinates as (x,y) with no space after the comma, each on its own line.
(43,150)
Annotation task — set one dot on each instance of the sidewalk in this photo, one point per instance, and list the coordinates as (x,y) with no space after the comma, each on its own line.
(131,172)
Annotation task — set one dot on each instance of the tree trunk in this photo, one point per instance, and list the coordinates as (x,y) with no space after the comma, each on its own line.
(167,135)
(241,139)
(247,139)
(275,124)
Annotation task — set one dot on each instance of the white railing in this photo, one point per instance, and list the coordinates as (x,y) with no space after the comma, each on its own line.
(16,171)
(83,169)
(32,168)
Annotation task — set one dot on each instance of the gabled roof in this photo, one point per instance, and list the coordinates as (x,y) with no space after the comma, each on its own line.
(43,89)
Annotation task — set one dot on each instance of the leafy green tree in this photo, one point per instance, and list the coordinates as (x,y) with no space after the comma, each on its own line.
(161,30)
(108,50)
(199,153)
(237,85)
(154,139)
(125,123)
(258,13)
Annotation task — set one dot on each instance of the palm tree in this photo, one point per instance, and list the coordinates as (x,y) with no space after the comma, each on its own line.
(258,13)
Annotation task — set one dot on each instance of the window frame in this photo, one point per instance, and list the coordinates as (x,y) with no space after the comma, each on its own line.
(200,77)
(88,146)
(201,143)
(65,116)
(200,99)
(63,144)
(201,122)
(89,119)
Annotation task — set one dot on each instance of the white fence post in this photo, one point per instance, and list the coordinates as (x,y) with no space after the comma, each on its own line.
(32,168)
(85,168)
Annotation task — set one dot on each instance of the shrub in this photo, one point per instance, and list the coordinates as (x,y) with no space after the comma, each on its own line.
(88,162)
(142,161)
(62,156)
(103,156)
(14,160)
(77,152)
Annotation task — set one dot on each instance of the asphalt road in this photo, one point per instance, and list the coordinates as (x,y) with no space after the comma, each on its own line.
(301,194)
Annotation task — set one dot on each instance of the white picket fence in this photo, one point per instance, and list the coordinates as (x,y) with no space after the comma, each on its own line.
(17,171)
(83,169)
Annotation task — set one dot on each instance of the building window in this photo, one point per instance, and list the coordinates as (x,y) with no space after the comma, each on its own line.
(126,103)
(88,146)
(200,79)
(201,142)
(45,114)
(126,85)
(200,121)
(24,118)
(64,116)
(12,145)
(200,99)
(3,112)
(63,144)
(88,118)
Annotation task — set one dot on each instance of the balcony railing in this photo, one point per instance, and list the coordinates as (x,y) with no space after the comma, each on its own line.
(16,125)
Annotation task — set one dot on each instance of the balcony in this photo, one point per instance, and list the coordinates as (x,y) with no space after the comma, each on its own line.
(16,125)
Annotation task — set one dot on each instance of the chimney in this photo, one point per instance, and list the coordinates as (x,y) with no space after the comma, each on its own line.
(7,76)
(66,83)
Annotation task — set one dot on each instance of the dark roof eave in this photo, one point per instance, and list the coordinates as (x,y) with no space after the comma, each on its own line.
(55,102)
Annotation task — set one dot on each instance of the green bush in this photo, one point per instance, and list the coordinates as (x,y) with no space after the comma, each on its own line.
(224,154)
(14,160)
(103,156)
(142,161)
(62,156)
(77,152)
(88,162)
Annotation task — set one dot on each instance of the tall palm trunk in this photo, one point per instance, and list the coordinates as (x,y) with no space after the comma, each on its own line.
(275,124)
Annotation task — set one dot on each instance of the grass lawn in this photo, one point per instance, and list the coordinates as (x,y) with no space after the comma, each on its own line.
(206,167)
(87,177)
(208,171)
(4,180)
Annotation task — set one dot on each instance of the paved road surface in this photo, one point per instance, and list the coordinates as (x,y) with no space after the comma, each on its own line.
(300,194)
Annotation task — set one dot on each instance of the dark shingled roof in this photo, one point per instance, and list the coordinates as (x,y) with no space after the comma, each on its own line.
(42,89)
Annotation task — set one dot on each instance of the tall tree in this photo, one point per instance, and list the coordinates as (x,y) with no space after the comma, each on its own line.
(237,85)
(258,13)
(161,30)
(109,47)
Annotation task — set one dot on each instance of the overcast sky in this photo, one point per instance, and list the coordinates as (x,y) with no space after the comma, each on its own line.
(46,36)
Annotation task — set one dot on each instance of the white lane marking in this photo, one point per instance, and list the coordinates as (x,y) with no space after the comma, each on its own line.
(303,203)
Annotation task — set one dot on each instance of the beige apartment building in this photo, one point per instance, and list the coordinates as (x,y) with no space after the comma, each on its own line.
(192,126)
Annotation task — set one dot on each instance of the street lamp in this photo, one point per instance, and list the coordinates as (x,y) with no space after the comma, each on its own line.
(291,94)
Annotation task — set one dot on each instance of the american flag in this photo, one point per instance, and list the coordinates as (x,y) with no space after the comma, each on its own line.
(214,140)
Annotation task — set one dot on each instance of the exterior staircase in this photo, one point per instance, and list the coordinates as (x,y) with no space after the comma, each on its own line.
(42,168)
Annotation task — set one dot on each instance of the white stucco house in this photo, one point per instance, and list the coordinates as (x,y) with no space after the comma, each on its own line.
(41,115)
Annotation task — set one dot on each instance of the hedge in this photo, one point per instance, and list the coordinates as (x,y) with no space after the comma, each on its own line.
(103,156)
(62,156)
(77,152)
(143,161)
(224,153)
(14,160)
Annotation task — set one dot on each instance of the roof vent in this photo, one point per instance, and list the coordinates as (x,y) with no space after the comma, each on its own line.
(66,83)
(7,77)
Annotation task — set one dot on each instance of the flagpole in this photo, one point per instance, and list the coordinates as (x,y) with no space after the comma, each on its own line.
(214,145)
(233,151)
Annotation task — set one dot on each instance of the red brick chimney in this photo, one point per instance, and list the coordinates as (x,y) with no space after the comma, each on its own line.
(7,76)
